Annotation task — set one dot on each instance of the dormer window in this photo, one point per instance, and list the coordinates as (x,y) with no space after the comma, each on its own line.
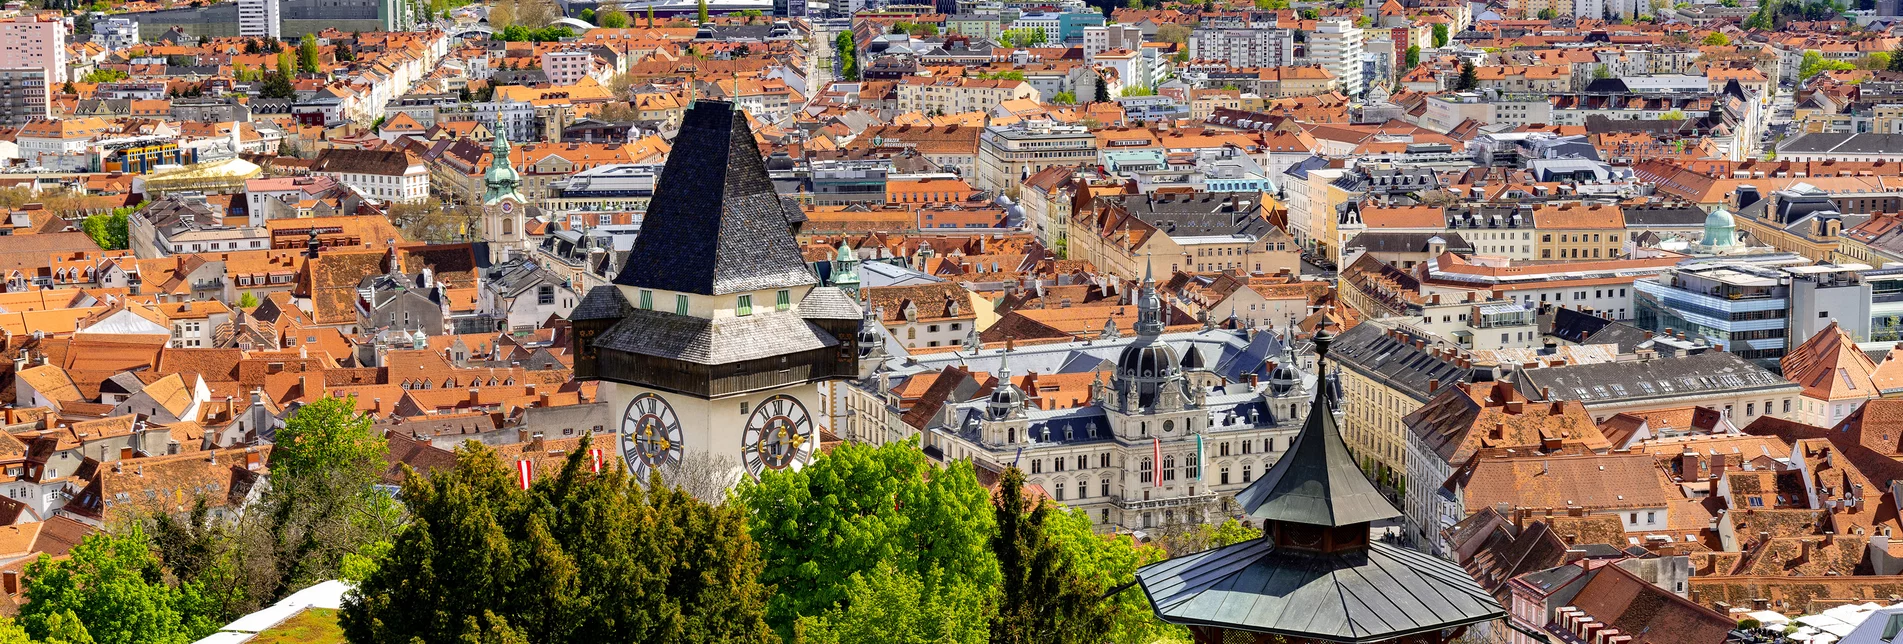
(745,307)
(783,300)
(680,305)
(647,300)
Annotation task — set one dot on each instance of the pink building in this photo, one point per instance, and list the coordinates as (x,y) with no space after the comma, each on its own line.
(30,41)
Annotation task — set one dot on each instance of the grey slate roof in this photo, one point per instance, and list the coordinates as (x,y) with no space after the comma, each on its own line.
(1390,242)
(601,303)
(717,341)
(1318,481)
(1657,378)
(829,303)
(1368,349)
(1842,143)
(1382,594)
(715,225)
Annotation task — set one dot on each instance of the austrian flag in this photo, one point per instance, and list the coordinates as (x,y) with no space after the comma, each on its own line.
(594,455)
(524,472)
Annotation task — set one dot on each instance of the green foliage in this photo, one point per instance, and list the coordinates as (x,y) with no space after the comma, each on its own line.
(859,507)
(1311,14)
(614,19)
(285,66)
(111,590)
(846,51)
(579,557)
(915,28)
(1271,5)
(889,605)
(323,504)
(110,230)
(1047,595)
(1064,98)
(103,75)
(307,54)
(1469,77)
(1717,39)
(1440,35)
(1022,37)
(1881,60)
(1674,115)
(1814,64)
(1010,75)
(1412,58)
(1748,624)
(519,33)
(588,15)
(1548,14)
(277,86)
(323,437)
(1138,91)
(247,300)
(701,12)
(12,633)
(1896,59)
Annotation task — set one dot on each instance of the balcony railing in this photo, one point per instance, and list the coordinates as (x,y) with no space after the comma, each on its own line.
(1176,502)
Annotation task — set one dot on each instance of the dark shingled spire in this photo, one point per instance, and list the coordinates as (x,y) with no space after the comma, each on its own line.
(1317,482)
(715,226)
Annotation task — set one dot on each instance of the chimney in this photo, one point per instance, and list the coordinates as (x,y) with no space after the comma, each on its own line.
(1433,385)
(1515,406)
(10,580)
(1688,466)
(1499,431)
(1546,393)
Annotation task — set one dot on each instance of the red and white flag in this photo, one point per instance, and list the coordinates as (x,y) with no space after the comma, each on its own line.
(595,455)
(525,472)
(1156,446)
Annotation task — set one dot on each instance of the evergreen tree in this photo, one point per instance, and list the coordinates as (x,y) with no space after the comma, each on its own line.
(701,12)
(1896,59)
(277,86)
(859,508)
(1440,35)
(1411,59)
(285,68)
(579,557)
(1103,90)
(1469,77)
(1042,599)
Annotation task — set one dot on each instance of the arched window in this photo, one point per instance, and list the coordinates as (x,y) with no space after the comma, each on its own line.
(1224,474)
(1144,471)
(508,226)
(1169,468)
(1011,435)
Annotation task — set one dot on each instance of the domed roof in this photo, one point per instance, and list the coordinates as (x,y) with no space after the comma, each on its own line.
(1150,360)
(1720,217)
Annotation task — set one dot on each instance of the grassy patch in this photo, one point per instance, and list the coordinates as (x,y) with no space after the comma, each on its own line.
(313,626)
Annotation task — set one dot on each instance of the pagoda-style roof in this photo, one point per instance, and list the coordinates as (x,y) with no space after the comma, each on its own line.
(715,226)
(1382,593)
(1314,575)
(1317,482)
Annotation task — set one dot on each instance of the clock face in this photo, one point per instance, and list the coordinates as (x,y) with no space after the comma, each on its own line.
(650,437)
(777,436)
(508,206)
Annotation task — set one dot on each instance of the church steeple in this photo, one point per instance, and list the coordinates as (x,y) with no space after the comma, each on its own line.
(501,180)
(1149,305)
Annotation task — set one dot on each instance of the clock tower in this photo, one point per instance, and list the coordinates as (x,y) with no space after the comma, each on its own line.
(504,210)
(715,338)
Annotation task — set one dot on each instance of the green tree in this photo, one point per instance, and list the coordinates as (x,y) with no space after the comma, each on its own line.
(1064,98)
(1896,59)
(109,230)
(1042,598)
(1717,39)
(650,16)
(1311,14)
(307,54)
(890,605)
(285,66)
(847,52)
(103,75)
(588,15)
(847,512)
(1880,60)
(615,18)
(1469,77)
(1548,14)
(247,300)
(323,503)
(12,633)
(1814,63)
(113,587)
(64,628)
(701,11)
(1411,59)
(1271,5)
(1103,90)
(277,86)
(579,557)
(1440,35)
